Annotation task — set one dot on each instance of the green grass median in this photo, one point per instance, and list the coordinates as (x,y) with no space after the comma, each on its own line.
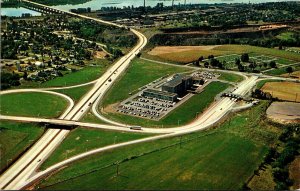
(81,140)
(15,138)
(32,104)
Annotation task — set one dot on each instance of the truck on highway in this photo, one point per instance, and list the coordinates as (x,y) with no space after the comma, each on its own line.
(136,127)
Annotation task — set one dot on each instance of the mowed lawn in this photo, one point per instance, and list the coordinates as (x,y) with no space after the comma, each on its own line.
(183,114)
(230,77)
(221,158)
(280,71)
(190,55)
(84,75)
(139,73)
(32,104)
(81,140)
(288,91)
(15,138)
(75,93)
(89,73)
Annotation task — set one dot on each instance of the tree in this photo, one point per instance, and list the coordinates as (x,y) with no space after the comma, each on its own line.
(237,61)
(214,62)
(220,65)
(251,66)
(289,70)
(201,58)
(245,57)
(241,68)
(206,64)
(211,56)
(25,75)
(272,64)
(265,64)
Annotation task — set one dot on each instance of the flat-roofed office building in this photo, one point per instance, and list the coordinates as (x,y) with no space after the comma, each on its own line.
(160,95)
(179,84)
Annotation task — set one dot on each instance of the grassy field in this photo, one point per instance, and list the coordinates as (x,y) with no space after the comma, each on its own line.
(286,36)
(15,138)
(259,50)
(190,55)
(287,91)
(295,173)
(295,74)
(32,104)
(91,118)
(263,180)
(140,73)
(88,139)
(230,77)
(87,74)
(261,83)
(221,158)
(84,75)
(75,93)
(183,114)
(280,71)
(184,54)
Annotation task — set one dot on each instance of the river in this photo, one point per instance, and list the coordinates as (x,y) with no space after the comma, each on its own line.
(97,4)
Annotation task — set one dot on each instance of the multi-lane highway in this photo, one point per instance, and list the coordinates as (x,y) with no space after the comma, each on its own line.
(216,111)
(19,172)
(18,175)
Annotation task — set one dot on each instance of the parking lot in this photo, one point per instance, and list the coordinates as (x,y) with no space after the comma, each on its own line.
(138,105)
(146,107)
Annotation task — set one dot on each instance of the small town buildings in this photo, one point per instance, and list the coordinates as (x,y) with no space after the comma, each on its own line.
(39,64)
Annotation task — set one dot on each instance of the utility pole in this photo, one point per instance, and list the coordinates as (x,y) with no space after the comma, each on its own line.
(180,144)
(296,97)
(118,163)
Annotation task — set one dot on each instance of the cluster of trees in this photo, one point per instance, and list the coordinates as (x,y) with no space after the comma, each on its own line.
(212,62)
(10,3)
(8,80)
(252,65)
(257,93)
(104,34)
(280,158)
(256,38)
(291,140)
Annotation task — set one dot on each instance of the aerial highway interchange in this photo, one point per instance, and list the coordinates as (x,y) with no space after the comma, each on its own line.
(24,171)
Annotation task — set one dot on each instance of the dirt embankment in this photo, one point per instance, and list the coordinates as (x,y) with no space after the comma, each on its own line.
(284,112)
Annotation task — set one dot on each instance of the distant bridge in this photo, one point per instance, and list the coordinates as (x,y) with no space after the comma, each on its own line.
(40,8)
(49,10)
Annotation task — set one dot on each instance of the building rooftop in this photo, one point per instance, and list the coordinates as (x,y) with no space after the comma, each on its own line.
(161,92)
(177,79)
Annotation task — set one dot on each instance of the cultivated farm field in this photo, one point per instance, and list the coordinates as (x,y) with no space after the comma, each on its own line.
(288,91)
(186,54)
